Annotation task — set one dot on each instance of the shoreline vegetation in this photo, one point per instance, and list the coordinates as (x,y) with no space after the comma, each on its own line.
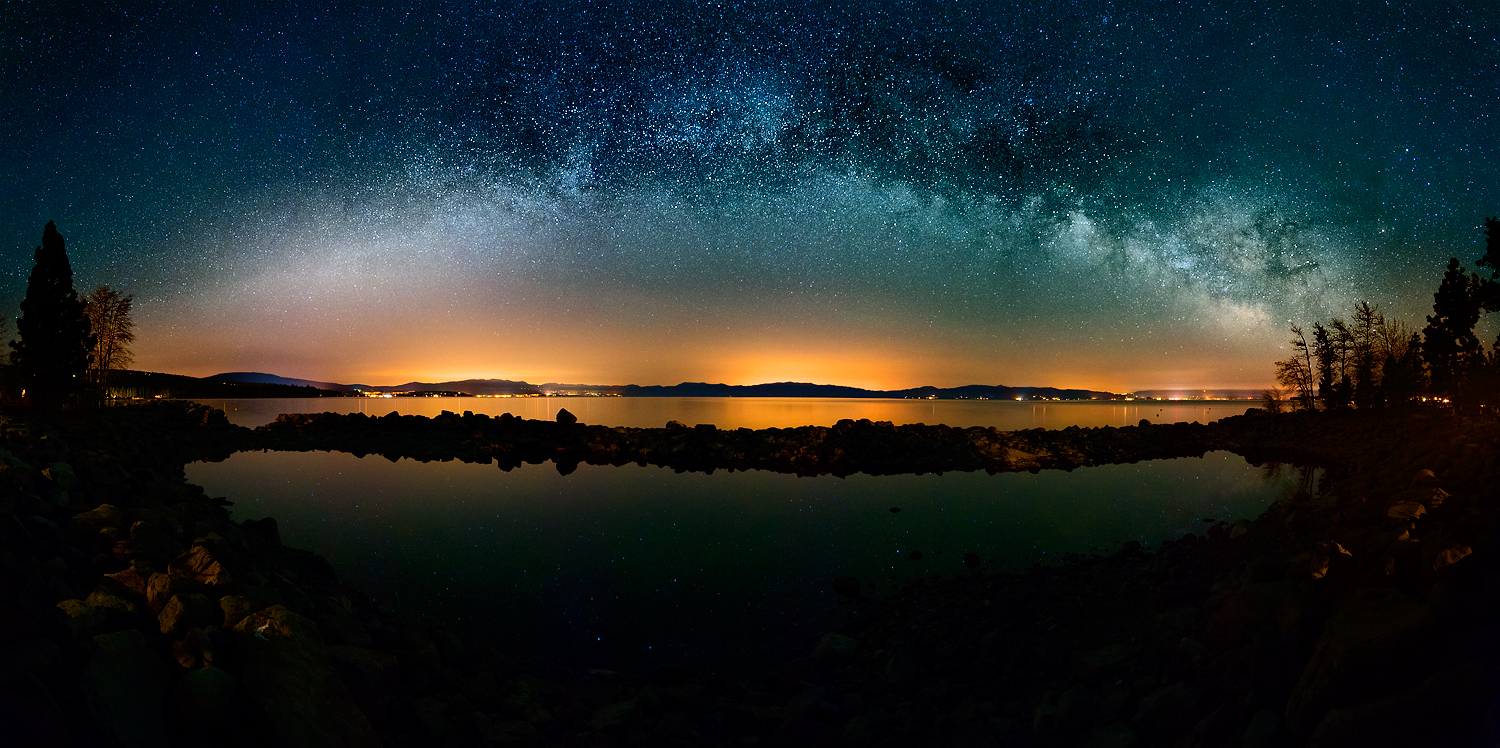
(1360,611)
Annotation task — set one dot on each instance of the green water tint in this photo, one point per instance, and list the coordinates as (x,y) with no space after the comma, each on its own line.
(607,566)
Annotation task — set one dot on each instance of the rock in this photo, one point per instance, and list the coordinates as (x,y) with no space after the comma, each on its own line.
(1323,556)
(1424,478)
(208,701)
(136,578)
(194,650)
(1117,735)
(1405,510)
(235,609)
(1094,664)
(62,474)
(1285,605)
(81,619)
(286,671)
(566,418)
(971,560)
(1262,730)
(1432,497)
(129,685)
(1170,711)
(198,563)
(102,597)
(29,722)
(1443,551)
(1364,647)
(160,589)
(367,673)
(1077,710)
(186,611)
(1440,711)
(104,515)
(515,734)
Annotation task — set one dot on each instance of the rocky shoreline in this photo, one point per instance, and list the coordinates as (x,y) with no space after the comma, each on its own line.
(134,611)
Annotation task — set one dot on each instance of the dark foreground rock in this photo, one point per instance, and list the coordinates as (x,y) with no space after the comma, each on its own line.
(1360,611)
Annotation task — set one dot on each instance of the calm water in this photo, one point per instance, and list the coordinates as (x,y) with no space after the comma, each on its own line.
(608,567)
(757,412)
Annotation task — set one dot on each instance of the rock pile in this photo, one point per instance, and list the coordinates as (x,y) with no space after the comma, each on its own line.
(1361,611)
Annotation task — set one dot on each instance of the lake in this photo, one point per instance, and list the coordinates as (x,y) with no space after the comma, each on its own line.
(615,567)
(759,412)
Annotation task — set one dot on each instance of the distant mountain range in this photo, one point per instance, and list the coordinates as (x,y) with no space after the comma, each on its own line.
(685,389)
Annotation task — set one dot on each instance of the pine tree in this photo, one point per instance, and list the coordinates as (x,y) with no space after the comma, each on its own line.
(53,350)
(1448,342)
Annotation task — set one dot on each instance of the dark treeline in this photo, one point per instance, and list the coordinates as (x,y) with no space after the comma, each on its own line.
(69,345)
(1369,361)
(147,385)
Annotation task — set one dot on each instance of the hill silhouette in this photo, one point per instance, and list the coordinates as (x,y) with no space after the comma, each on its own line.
(686,389)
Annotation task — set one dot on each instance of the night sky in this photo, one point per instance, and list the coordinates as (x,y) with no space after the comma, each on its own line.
(1107,195)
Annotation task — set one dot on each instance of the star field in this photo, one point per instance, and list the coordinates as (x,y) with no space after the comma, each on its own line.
(1094,194)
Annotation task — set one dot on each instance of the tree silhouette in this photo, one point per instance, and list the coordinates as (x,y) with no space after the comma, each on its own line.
(108,311)
(53,350)
(1365,351)
(1296,373)
(1448,342)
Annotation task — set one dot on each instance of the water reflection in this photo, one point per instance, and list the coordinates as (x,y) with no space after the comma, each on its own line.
(609,565)
(758,412)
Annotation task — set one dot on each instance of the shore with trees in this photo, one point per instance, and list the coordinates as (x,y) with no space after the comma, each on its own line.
(135,610)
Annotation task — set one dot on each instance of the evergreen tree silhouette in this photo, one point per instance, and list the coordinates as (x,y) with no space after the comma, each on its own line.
(53,350)
(1448,342)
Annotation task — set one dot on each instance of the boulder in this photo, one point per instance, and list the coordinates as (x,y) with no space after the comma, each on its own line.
(1367,644)
(1117,735)
(286,671)
(81,619)
(367,673)
(1443,551)
(1405,510)
(161,588)
(1287,605)
(235,609)
(1424,478)
(1263,730)
(1323,556)
(135,579)
(103,597)
(128,685)
(199,564)
(208,701)
(1440,711)
(104,515)
(185,611)
(1169,712)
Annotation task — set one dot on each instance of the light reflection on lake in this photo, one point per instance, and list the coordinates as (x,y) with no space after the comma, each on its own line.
(759,412)
(609,566)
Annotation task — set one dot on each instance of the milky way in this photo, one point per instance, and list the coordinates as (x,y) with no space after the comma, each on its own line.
(1104,195)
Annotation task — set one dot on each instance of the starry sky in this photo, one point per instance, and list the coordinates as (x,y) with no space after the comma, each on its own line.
(1112,195)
